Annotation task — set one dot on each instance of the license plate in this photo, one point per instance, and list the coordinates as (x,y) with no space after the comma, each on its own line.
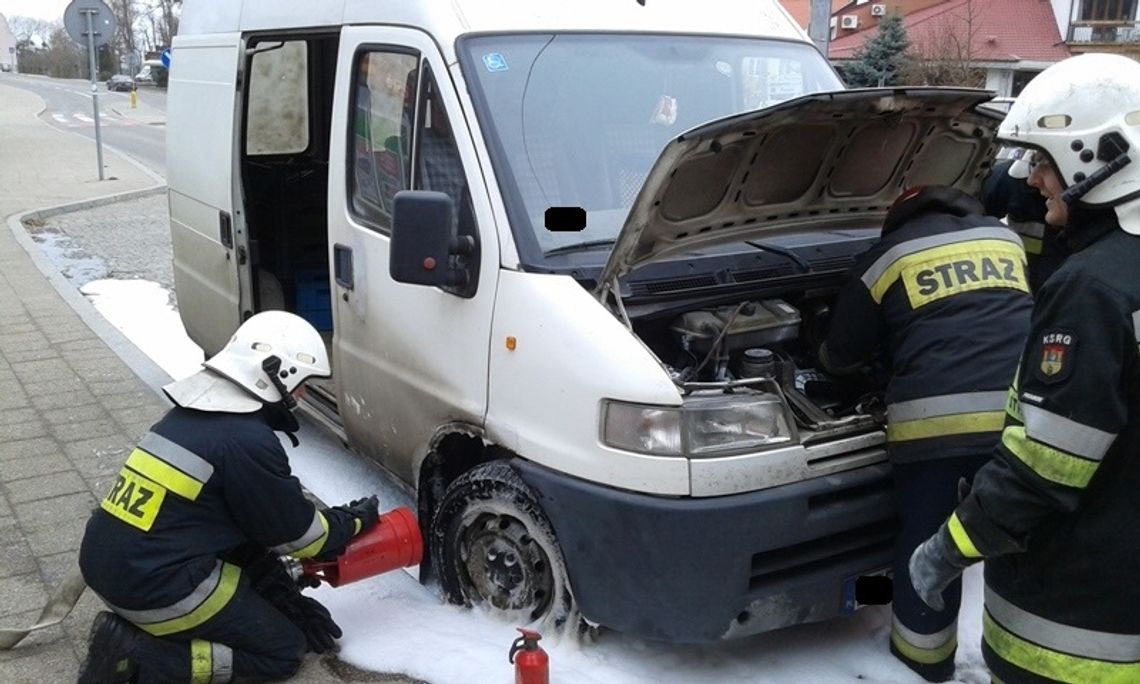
(869,589)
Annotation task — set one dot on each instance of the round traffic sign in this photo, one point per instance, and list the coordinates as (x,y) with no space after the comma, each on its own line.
(103,23)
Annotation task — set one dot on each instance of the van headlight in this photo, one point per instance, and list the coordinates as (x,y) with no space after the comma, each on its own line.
(705,425)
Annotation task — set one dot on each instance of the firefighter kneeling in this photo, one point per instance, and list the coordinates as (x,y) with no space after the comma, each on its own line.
(185,548)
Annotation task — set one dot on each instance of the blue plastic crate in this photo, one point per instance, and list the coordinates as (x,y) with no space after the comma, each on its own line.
(314,299)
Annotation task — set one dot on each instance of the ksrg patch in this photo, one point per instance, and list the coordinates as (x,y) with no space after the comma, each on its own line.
(1057,358)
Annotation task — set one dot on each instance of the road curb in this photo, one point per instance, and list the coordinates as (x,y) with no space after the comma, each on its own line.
(142,366)
(102,201)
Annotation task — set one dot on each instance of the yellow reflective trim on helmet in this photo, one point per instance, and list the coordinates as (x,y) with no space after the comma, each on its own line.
(227,587)
(318,544)
(164,474)
(925,656)
(961,539)
(201,662)
(1044,662)
(1052,464)
(939,426)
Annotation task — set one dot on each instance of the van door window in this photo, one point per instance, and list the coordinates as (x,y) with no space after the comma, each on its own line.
(278,117)
(384,109)
(438,166)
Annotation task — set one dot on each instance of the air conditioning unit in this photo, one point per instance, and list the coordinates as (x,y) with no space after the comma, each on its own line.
(878,10)
(849,21)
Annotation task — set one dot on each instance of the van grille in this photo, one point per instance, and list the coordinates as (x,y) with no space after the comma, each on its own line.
(875,542)
(672,285)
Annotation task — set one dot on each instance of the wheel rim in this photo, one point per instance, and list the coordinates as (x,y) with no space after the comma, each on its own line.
(504,564)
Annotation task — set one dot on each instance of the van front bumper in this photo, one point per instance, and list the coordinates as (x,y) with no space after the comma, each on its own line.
(692,570)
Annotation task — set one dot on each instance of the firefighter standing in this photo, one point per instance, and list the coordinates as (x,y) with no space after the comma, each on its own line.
(1055,513)
(944,293)
(1007,196)
(184,548)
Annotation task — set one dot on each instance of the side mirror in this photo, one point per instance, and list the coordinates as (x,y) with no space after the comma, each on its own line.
(425,245)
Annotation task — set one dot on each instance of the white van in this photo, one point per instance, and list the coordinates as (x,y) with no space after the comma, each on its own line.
(572,260)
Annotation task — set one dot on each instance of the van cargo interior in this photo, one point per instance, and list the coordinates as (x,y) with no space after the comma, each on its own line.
(287,112)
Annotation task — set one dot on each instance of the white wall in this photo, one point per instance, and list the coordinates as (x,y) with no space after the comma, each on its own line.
(1063,12)
(1000,81)
(7,40)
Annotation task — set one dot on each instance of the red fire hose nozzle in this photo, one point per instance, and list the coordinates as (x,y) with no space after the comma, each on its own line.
(393,542)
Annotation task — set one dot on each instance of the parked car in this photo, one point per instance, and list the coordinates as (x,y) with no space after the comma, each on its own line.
(120,83)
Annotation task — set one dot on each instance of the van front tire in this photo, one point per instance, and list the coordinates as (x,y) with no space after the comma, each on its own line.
(492,545)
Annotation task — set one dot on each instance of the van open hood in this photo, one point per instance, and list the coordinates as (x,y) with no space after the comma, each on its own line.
(830,160)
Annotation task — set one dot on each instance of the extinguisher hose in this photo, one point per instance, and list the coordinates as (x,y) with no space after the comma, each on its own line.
(518,645)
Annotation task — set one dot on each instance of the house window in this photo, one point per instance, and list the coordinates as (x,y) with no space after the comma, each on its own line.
(1108,10)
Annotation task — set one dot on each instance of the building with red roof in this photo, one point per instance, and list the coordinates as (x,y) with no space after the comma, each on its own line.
(1012,40)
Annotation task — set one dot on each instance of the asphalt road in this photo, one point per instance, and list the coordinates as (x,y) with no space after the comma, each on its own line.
(140,133)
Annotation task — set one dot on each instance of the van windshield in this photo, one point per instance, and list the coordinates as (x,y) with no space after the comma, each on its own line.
(577,120)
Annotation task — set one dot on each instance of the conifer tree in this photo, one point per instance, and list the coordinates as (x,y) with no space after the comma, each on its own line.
(881,59)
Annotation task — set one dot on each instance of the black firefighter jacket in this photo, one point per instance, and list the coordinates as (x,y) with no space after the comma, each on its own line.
(198,486)
(1056,514)
(944,294)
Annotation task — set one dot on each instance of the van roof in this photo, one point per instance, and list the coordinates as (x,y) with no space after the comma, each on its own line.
(447,20)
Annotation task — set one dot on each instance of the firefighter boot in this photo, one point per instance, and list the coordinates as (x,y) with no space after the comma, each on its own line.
(939,671)
(110,651)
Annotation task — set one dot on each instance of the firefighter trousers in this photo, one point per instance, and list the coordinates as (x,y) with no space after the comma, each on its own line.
(926,493)
(249,640)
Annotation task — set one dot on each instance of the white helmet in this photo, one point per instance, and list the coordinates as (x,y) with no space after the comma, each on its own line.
(267,358)
(1083,113)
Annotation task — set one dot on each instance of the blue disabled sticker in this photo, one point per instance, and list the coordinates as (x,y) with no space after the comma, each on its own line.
(495,61)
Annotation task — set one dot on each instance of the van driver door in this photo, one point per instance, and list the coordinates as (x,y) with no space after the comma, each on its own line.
(407,359)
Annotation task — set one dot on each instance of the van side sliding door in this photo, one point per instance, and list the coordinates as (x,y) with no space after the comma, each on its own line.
(200,161)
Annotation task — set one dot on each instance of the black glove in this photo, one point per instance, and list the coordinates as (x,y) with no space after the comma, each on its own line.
(314,620)
(272,581)
(366,513)
(934,565)
(307,614)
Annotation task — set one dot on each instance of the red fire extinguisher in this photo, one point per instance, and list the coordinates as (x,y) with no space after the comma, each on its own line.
(532,665)
(394,542)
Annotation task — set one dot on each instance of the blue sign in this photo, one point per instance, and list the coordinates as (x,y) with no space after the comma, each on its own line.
(165,58)
(494,62)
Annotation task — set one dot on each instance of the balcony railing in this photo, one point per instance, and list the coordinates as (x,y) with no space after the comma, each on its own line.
(1104,32)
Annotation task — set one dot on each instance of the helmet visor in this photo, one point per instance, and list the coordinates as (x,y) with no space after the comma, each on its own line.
(1025,162)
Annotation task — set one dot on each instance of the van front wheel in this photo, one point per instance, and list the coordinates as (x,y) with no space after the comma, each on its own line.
(493,545)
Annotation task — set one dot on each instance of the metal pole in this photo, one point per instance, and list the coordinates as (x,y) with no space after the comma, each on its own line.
(94,87)
(819,25)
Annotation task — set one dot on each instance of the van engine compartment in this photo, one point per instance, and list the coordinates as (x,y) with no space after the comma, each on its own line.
(767,344)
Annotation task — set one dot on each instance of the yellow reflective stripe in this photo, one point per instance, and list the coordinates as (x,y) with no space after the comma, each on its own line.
(1032,245)
(201,662)
(213,604)
(164,474)
(1049,463)
(924,655)
(894,271)
(1044,662)
(939,426)
(315,548)
(356,526)
(961,539)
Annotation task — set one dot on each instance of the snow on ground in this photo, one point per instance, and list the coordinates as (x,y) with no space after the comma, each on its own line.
(394,624)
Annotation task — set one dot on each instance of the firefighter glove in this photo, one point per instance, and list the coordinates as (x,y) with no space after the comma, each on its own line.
(365,512)
(314,620)
(934,565)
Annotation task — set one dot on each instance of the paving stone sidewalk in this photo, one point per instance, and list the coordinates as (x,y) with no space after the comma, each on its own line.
(71,409)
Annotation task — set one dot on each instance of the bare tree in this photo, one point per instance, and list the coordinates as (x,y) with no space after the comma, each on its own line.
(947,55)
(31,29)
